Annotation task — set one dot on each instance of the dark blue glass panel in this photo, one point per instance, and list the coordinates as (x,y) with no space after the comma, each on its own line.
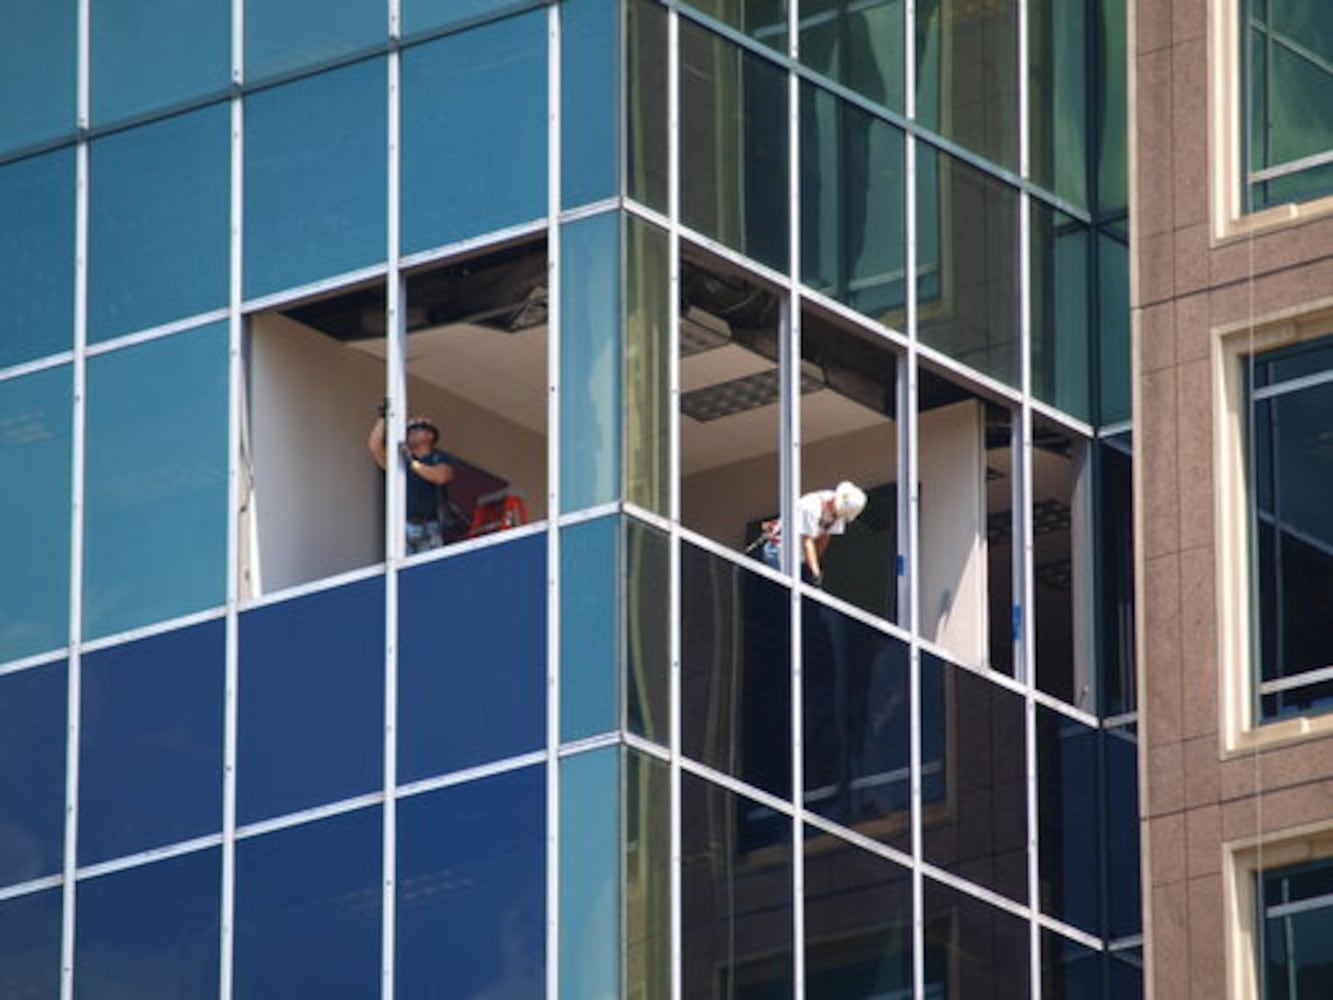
(310,719)
(151,932)
(316,175)
(1121,809)
(309,901)
(1069,820)
(590,865)
(589,100)
(857,722)
(973,949)
(1071,971)
(1125,974)
(149,54)
(36,253)
(977,829)
(285,35)
(589,628)
(35,414)
(472,658)
(38,70)
(150,757)
(458,153)
(471,910)
(32,773)
(30,945)
(159,222)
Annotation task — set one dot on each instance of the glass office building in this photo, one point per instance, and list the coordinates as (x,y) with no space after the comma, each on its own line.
(655,271)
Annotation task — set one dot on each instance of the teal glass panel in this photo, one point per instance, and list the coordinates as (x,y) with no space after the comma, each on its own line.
(1113,328)
(316,177)
(647,877)
(35,450)
(150,54)
(1297,909)
(159,222)
(155,518)
(589,628)
(733,114)
(421,16)
(37,256)
(589,100)
(647,360)
(763,20)
(858,44)
(590,361)
(286,35)
(590,896)
(967,74)
(1058,97)
(646,106)
(1112,164)
(647,632)
(853,201)
(1060,311)
(38,70)
(458,153)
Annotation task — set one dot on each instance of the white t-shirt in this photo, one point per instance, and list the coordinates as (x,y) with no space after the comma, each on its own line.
(810,516)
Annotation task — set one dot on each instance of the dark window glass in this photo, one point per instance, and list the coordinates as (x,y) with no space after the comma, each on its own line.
(160,218)
(1113,326)
(1070,824)
(38,70)
(1297,911)
(647,639)
(1115,561)
(36,252)
(150,758)
(647,877)
(308,909)
(1125,974)
(590,874)
(763,20)
(857,725)
(284,35)
(735,671)
(32,774)
(590,628)
(472,660)
(858,923)
(647,359)
(646,105)
(1061,318)
(589,99)
(315,177)
(858,44)
(1070,970)
(733,112)
(310,715)
(1120,811)
(973,950)
(1058,83)
(736,905)
(471,902)
(150,932)
(30,945)
(975,730)
(149,54)
(458,153)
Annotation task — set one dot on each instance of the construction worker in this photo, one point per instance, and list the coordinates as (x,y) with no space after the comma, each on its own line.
(429,472)
(819,516)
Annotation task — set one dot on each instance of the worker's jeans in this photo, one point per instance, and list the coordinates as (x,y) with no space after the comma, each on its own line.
(423,536)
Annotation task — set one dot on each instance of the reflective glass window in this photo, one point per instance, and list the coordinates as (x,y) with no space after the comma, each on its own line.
(30,944)
(857,731)
(735,670)
(1070,824)
(1112,98)
(38,70)
(1069,969)
(159,224)
(590,628)
(646,104)
(32,774)
(1058,84)
(1113,326)
(590,870)
(150,751)
(762,20)
(285,35)
(428,15)
(736,895)
(36,253)
(1061,318)
(973,949)
(168,948)
(320,660)
(647,363)
(35,415)
(458,153)
(590,100)
(315,177)
(858,44)
(1296,906)
(148,54)
(648,631)
(733,114)
(155,515)
(975,730)
(1115,561)
(308,909)
(471,902)
(1125,973)
(1120,753)
(472,687)
(647,877)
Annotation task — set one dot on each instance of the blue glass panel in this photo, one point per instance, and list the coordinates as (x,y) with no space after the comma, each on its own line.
(471,904)
(308,909)
(590,361)
(30,945)
(316,175)
(168,949)
(155,519)
(36,254)
(32,774)
(149,54)
(38,70)
(320,660)
(1121,810)
(1069,820)
(973,949)
(589,628)
(150,752)
(35,414)
(590,874)
(1069,969)
(472,658)
(284,35)
(457,154)
(159,222)
(1125,974)
(428,15)
(589,100)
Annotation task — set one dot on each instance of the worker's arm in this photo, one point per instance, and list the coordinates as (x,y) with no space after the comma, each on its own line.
(376,443)
(441,474)
(813,551)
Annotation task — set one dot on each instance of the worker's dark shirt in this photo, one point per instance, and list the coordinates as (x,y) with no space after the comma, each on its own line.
(424,498)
